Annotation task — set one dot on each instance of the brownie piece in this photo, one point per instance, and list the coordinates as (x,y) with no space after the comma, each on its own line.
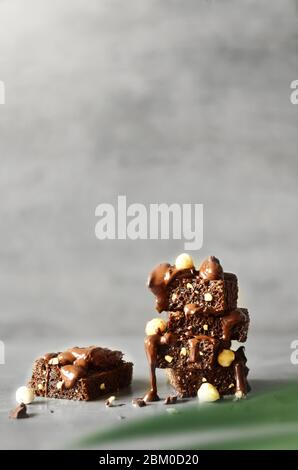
(174,288)
(228,326)
(186,381)
(201,351)
(80,373)
(223,294)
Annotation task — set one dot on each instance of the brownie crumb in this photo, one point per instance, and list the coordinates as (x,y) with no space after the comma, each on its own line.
(20,412)
(138,402)
(171,400)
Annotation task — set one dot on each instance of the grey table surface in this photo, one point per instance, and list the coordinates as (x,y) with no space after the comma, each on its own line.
(62,423)
(164,101)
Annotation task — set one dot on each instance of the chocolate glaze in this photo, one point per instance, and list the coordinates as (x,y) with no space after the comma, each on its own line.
(71,373)
(75,362)
(211,269)
(230,320)
(49,356)
(152,344)
(157,282)
(163,274)
(239,370)
(193,345)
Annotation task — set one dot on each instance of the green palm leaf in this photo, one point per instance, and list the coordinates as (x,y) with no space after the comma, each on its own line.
(275,411)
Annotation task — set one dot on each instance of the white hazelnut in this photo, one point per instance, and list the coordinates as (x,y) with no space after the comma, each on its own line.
(59,384)
(154,326)
(184,261)
(168,359)
(54,361)
(208,393)
(183,352)
(102,386)
(208,297)
(25,395)
(205,327)
(226,357)
(110,400)
(204,379)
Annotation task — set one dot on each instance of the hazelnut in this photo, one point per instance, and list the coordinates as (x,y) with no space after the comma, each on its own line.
(110,401)
(54,361)
(208,297)
(25,395)
(189,286)
(168,359)
(226,357)
(40,387)
(59,385)
(208,393)
(102,386)
(183,352)
(204,379)
(155,326)
(205,327)
(184,261)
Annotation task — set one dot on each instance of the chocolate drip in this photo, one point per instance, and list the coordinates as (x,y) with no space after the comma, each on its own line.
(152,344)
(160,278)
(71,373)
(194,343)
(239,370)
(229,321)
(211,269)
(151,348)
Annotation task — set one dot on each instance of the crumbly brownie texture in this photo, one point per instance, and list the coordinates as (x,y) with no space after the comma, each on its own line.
(199,352)
(186,381)
(227,326)
(174,288)
(223,293)
(80,374)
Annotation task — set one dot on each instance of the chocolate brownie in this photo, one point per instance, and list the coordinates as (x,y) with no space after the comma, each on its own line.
(171,352)
(174,288)
(227,326)
(80,373)
(228,380)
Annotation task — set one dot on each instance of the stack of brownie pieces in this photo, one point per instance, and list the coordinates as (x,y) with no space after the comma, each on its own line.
(194,344)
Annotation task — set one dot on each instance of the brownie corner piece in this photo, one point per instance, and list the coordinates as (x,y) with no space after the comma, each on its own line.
(88,378)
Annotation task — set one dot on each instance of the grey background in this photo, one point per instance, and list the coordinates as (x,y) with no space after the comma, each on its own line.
(162,101)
